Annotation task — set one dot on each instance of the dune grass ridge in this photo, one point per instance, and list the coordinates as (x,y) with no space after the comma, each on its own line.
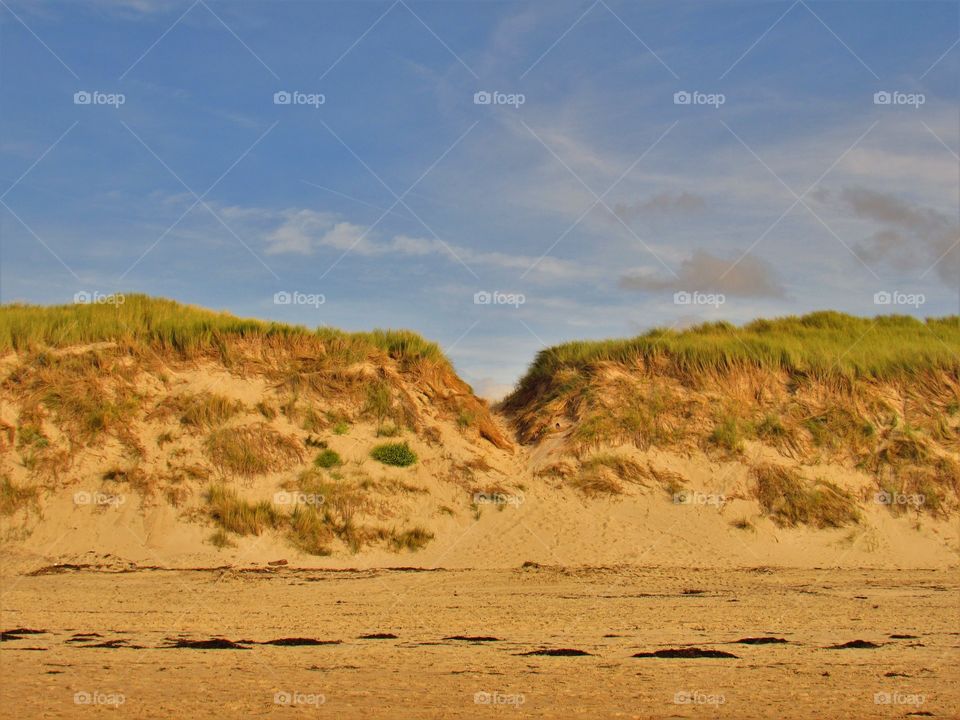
(165,324)
(878,395)
(374,369)
(823,344)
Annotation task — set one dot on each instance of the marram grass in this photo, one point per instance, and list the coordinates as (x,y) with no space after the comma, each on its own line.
(821,344)
(169,325)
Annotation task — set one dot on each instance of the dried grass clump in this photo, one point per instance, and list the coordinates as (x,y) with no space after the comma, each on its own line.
(90,396)
(790,500)
(604,474)
(204,410)
(252,450)
(14,498)
(239,516)
(413,539)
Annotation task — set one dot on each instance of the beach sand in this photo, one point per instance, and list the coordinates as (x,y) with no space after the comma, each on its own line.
(610,613)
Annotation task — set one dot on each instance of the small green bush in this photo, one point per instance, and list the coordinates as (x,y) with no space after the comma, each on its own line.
(398,454)
(327,459)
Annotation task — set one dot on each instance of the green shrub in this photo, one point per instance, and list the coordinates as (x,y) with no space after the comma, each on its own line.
(398,454)
(327,459)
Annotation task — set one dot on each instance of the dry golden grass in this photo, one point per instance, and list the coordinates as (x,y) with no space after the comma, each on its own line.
(14,498)
(790,500)
(90,396)
(309,532)
(251,450)
(338,503)
(238,516)
(135,477)
(605,473)
(412,539)
(204,410)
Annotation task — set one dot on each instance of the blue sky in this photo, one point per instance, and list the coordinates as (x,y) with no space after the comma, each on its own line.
(784,186)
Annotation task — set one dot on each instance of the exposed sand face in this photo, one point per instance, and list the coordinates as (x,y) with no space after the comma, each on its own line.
(486,506)
(609,613)
(543,522)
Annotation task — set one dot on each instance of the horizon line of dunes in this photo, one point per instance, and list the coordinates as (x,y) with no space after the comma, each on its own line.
(820,344)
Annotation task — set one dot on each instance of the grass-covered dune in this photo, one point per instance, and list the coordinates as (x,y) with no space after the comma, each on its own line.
(822,344)
(185,329)
(214,415)
(881,396)
(379,373)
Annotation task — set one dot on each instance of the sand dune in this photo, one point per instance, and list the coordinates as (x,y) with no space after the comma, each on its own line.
(259,516)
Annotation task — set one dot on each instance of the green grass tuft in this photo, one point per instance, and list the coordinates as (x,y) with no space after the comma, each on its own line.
(327,459)
(397,454)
